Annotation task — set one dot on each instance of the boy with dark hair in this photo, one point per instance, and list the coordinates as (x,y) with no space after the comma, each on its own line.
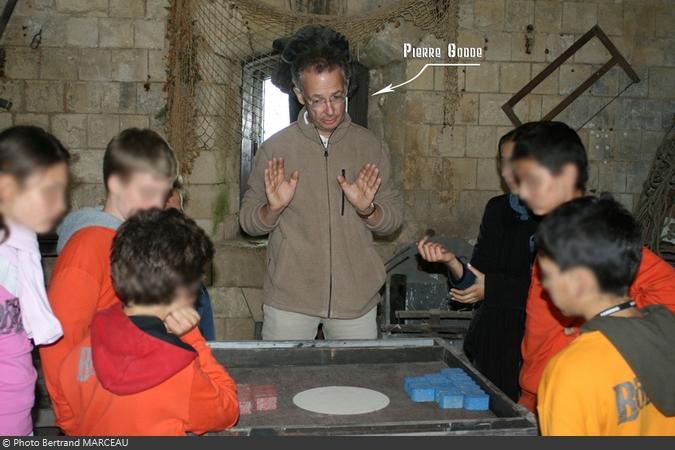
(616,378)
(551,167)
(134,375)
(139,168)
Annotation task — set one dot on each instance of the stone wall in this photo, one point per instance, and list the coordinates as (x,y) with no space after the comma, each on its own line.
(100,68)
(448,173)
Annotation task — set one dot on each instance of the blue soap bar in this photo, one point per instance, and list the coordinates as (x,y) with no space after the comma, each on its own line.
(436,378)
(407,381)
(453,371)
(450,399)
(421,392)
(476,402)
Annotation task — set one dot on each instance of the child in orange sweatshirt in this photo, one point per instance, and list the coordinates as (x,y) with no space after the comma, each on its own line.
(139,168)
(616,378)
(144,369)
(551,166)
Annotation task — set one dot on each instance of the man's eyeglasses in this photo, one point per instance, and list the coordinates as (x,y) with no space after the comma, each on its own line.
(317,104)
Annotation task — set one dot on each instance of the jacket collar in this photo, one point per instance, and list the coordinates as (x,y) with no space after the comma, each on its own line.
(312,133)
(129,358)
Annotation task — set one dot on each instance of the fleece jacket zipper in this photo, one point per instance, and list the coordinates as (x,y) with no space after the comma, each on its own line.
(330,232)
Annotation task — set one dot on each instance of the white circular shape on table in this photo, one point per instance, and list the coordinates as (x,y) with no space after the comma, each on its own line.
(341,400)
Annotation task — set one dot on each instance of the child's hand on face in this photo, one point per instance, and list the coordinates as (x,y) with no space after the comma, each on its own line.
(181,320)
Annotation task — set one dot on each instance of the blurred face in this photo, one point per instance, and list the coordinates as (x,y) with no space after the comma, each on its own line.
(560,286)
(37,202)
(324,95)
(140,191)
(506,169)
(540,189)
(574,291)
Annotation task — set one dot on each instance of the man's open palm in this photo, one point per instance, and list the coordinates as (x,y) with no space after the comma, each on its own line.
(279,190)
(362,191)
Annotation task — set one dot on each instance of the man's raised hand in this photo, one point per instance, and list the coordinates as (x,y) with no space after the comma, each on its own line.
(361,192)
(278,189)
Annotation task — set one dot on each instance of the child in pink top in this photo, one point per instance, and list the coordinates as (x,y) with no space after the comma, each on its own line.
(33,181)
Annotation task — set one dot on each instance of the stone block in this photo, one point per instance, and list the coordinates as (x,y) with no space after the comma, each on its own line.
(40,120)
(149,34)
(6,120)
(82,31)
(117,33)
(417,140)
(638,114)
(651,140)
(127,8)
(13,90)
(150,101)
(130,65)
(572,75)
(608,84)
(459,174)
(451,141)
(133,121)
(519,14)
(467,109)
(662,82)
(490,109)
(481,141)
(254,300)
(636,177)
(70,129)
(600,146)
(550,83)
(234,329)
(627,146)
(87,194)
(229,302)
(470,209)
(425,81)
(157,65)
(484,78)
(496,46)
(548,17)
(91,97)
(610,18)
(102,128)
(488,14)
(22,63)
(579,17)
(128,97)
(156,9)
(612,177)
(593,52)
(59,64)
(664,19)
(87,7)
(513,76)
(87,166)
(239,264)
(94,64)
(424,107)
(488,177)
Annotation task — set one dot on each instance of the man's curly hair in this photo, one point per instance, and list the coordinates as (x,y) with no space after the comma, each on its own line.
(155,252)
(313,46)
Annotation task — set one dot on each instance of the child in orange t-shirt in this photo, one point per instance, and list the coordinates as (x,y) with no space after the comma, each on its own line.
(139,168)
(616,378)
(144,368)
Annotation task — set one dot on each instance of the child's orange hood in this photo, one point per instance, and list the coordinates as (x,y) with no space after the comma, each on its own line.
(134,354)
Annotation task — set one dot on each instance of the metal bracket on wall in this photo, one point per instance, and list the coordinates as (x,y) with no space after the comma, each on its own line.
(616,58)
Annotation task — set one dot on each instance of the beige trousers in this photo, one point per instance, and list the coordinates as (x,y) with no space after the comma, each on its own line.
(279,325)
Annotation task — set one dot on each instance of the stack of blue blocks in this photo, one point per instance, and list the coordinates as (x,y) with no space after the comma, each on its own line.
(451,388)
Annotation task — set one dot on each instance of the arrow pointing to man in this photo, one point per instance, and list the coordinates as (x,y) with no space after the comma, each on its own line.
(391,88)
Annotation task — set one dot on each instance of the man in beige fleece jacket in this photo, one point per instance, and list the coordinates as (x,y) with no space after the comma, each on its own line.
(322,266)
